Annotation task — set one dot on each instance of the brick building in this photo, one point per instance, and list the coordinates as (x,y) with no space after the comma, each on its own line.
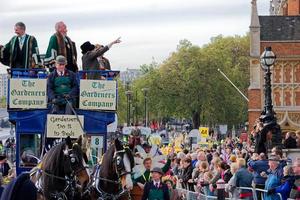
(281,31)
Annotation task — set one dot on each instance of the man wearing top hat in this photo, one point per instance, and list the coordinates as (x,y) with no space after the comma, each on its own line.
(62,87)
(156,189)
(90,56)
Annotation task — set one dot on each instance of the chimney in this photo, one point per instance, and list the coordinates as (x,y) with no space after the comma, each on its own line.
(293,7)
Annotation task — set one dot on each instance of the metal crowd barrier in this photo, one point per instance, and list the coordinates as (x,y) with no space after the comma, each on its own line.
(189,195)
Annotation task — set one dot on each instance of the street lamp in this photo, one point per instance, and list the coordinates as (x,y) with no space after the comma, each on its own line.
(268,118)
(128,95)
(145,90)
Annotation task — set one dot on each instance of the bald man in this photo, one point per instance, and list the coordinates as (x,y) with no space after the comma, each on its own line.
(61,44)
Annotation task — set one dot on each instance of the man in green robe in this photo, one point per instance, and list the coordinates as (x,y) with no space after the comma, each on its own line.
(146,177)
(61,44)
(22,50)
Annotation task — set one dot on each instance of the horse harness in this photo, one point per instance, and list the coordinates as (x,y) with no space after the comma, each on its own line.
(71,182)
(120,171)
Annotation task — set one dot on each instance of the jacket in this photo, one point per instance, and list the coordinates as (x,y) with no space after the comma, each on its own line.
(259,166)
(243,179)
(50,84)
(150,185)
(90,61)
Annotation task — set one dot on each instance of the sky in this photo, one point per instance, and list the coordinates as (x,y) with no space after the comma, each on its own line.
(148,28)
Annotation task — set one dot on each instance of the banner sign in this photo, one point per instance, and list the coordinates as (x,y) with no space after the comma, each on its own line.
(203,132)
(62,126)
(98,95)
(28,93)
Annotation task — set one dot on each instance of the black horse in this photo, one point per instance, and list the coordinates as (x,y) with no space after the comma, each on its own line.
(62,168)
(112,179)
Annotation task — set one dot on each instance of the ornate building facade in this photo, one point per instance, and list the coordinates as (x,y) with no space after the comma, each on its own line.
(281,31)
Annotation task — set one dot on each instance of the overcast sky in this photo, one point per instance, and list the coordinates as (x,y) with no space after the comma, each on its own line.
(149,28)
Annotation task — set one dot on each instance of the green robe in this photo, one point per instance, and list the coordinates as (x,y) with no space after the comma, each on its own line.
(146,177)
(31,57)
(58,46)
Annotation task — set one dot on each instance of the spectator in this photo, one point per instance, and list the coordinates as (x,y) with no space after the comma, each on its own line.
(274,177)
(259,164)
(199,174)
(231,186)
(186,177)
(244,179)
(194,159)
(4,166)
(298,138)
(171,183)
(290,141)
(287,183)
(260,136)
(227,154)
(200,157)
(204,184)
(295,193)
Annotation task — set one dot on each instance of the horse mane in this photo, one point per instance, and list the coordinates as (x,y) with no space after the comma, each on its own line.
(107,162)
(130,156)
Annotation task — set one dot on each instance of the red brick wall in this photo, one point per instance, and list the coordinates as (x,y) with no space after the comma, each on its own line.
(254,96)
(282,49)
(293,7)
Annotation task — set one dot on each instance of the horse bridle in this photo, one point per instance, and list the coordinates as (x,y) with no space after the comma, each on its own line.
(70,180)
(119,163)
(120,171)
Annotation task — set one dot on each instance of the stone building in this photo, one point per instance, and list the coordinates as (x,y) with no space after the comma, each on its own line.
(281,31)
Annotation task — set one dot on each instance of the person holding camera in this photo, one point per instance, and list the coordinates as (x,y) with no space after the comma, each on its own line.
(62,88)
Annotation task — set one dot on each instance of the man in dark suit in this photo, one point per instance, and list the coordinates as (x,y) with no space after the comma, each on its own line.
(156,189)
(62,87)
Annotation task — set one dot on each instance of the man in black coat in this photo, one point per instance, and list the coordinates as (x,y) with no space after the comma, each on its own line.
(290,142)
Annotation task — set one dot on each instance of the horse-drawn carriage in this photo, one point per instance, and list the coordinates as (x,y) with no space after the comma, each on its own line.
(29,110)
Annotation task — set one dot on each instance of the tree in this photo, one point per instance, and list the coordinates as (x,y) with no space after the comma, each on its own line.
(188,84)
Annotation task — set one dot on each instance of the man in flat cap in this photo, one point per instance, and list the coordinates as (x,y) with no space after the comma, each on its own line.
(274,177)
(62,87)
(156,189)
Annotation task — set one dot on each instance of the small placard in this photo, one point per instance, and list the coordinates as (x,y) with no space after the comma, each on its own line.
(98,95)
(203,132)
(97,141)
(28,93)
(62,126)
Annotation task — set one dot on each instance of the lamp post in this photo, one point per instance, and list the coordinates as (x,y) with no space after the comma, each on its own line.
(146,118)
(268,117)
(128,95)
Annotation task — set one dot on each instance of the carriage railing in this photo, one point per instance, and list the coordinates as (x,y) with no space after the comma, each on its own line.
(101,74)
(27,73)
